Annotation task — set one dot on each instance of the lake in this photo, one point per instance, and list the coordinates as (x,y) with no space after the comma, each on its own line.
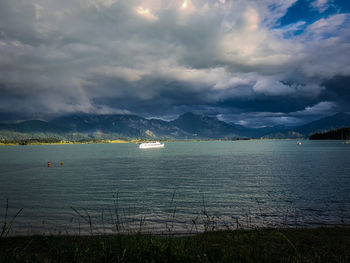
(184,187)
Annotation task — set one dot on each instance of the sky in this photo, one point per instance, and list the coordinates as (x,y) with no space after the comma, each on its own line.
(251,62)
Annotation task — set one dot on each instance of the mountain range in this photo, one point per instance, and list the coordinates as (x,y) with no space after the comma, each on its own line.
(187,126)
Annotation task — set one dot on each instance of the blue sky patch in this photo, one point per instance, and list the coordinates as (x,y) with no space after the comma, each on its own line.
(303,11)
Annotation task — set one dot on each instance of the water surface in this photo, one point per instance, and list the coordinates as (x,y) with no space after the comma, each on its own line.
(185,186)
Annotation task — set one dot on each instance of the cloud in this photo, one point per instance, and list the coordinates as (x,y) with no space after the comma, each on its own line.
(318,109)
(321,5)
(325,27)
(263,119)
(157,57)
(127,74)
(146,13)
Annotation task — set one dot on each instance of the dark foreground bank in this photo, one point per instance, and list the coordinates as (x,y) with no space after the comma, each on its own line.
(268,245)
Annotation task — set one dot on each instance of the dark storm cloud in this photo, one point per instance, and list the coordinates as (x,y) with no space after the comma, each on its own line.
(282,104)
(158,58)
(338,89)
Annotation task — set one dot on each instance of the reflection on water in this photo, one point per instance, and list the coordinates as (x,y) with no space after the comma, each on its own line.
(187,186)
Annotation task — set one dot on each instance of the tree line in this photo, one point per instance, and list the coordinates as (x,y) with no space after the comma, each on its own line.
(339,134)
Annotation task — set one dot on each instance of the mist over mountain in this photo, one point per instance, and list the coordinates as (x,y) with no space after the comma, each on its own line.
(186,126)
(333,122)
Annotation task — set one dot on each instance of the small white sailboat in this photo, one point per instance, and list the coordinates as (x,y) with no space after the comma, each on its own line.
(149,145)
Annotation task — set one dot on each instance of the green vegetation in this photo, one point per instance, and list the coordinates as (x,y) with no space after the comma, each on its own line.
(31,141)
(339,134)
(240,245)
(254,245)
(50,141)
(264,245)
(6,225)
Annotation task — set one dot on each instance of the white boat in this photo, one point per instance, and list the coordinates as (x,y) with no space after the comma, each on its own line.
(149,145)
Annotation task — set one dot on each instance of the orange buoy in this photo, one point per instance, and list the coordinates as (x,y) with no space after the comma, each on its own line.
(48,164)
(61,163)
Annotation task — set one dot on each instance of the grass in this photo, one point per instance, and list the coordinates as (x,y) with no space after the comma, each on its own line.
(263,245)
(331,244)
(127,245)
(6,225)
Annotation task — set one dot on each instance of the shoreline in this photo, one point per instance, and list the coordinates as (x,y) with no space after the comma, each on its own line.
(65,142)
(171,233)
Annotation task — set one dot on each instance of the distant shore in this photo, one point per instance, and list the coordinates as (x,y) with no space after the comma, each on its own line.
(35,142)
(63,142)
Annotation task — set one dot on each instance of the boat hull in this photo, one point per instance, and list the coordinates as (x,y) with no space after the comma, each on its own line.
(150,146)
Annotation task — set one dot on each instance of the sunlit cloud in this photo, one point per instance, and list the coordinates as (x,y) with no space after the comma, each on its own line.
(187,7)
(146,13)
(252,19)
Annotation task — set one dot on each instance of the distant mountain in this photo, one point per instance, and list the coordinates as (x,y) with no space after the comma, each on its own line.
(130,126)
(259,132)
(210,127)
(186,126)
(31,126)
(205,127)
(339,134)
(333,122)
(87,126)
(336,121)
